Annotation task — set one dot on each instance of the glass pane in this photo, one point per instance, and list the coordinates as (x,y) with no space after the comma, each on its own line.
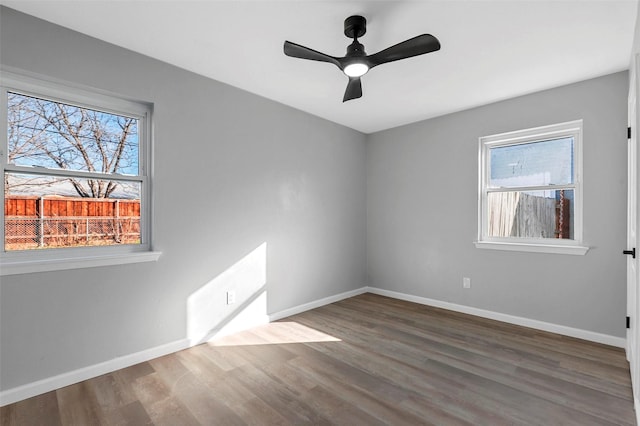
(50,212)
(532,164)
(533,214)
(44,133)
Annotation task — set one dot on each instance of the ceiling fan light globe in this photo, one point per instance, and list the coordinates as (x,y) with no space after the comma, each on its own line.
(356,69)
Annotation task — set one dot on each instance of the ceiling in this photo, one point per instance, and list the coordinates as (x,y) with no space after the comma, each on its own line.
(491,50)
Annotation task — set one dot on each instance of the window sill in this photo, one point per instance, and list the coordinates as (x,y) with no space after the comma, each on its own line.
(534,248)
(21,266)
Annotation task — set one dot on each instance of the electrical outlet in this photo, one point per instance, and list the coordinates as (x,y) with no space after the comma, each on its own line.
(466,282)
(231,297)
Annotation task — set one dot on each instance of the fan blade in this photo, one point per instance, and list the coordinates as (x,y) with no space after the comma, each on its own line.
(419,45)
(354,89)
(297,51)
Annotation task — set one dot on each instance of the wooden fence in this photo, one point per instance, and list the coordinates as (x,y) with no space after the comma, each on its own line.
(517,214)
(32,222)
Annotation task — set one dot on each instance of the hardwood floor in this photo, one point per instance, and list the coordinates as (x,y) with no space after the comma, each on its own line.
(368,360)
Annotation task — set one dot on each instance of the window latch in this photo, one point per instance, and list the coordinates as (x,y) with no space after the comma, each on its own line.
(632,252)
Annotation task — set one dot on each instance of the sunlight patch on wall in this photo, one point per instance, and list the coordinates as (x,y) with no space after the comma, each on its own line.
(208,313)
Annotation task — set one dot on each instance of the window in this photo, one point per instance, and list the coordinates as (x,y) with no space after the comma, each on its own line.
(530,190)
(75,177)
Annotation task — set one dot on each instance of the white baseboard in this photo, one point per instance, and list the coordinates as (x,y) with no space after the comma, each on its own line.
(29,390)
(316,304)
(511,319)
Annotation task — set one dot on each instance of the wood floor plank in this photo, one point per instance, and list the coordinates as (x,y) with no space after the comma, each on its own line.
(109,393)
(338,410)
(256,412)
(42,409)
(376,405)
(132,414)
(283,400)
(159,402)
(366,360)
(78,405)
(223,387)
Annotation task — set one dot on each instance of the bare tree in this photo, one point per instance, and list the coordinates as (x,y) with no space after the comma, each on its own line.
(55,135)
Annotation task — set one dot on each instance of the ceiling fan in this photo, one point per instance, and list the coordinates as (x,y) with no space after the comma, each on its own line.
(356,63)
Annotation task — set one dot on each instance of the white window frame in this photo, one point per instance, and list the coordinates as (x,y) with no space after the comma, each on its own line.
(52,259)
(541,245)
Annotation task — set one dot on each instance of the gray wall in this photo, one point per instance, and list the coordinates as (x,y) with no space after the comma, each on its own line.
(257,171)
(422,188)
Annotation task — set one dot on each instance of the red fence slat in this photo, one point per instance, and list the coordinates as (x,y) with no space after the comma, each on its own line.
(69,221)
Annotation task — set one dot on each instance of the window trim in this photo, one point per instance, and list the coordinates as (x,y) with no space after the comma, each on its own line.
(26,261)
(538,245)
